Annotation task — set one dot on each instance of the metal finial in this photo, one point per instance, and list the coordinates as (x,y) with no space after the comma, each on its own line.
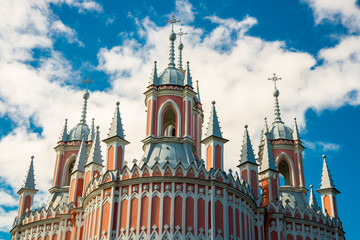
(172,21)
(275,79)
(87,82)
(181,46)
(172,38)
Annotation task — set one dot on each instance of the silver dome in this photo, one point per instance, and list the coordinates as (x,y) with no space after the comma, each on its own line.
(280,130)
(77,132)
(171,76)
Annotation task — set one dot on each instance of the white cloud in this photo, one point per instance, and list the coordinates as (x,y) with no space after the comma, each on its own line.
(6,219)
(59,28)
(184,11)
(345,12)
(321,146)
(82,5)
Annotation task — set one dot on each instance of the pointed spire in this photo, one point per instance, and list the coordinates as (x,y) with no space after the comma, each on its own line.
(267,162)
(154,76)
(64,135)
(247,153)
(116,128)
(213,126)
(95,151)
(83,113)
(172,38)
(29,182)
(92,130)
(312,200)
(181,47)
(265,130)
(188,78)
(276,94)
(326,179)
(197,97)
(81,157)
(296,134)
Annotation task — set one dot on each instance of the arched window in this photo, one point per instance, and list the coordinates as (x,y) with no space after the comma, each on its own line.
(169,123)
(70,169)
(284,172)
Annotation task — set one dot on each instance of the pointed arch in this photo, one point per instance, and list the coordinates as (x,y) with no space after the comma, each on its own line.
(163,108)
(285,166)
(67,170)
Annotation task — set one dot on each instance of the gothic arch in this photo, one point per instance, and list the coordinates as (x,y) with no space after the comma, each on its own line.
(285,166)
(70,161)
(163,108)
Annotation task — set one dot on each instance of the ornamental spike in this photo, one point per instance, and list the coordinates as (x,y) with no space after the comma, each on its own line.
(81,157)
(188,78)
(247,153)
(213,126)
(116,128)
(296,134)
(154,76)
(172,38)
(95,151)
(326,179)
(64,135)
(312,200)
(267,162)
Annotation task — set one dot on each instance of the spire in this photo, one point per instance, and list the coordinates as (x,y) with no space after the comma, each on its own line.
(29,182)
(276,95)
(92,130)
(172,38)
(154,76)
(265,130)
(326,179)
(188,78)
(197,97)
(64,135)
(86,97)
(247,153)
(95,151)
(296,134)
(116,128)
(213,127)
(312,200)
(267,162)
(81,157)
(181,46)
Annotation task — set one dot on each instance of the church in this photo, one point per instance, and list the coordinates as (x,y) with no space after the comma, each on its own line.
(176,190)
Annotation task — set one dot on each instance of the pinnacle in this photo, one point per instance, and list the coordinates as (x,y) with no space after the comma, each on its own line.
(188,78)
(213,126)
(64,135)
(326,179)
(312,200)
(267,162)
(95,151)
(81,157)
(116,128)
(247,153)
(30,177)
(296,134)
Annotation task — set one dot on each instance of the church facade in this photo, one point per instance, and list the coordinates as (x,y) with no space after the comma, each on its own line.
(174,192)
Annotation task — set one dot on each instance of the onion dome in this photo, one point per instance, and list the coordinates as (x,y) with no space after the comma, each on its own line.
(171,76)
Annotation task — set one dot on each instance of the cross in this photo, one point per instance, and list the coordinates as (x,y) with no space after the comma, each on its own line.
(172,21)
(180,33)
(274,78)
(87,81)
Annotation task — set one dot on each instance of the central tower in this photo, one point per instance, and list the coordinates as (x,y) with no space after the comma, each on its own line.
(174,113)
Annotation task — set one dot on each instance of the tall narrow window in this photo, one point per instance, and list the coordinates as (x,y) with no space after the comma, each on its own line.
(169,123)
(70,169)
(285,176)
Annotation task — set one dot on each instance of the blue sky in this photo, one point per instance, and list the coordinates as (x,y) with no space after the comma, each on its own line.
(48,47)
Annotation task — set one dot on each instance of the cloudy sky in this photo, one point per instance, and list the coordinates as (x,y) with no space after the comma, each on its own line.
(47,47)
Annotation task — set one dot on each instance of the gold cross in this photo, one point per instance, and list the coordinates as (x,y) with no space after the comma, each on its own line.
(87,81)
(172,21)
(180,33)
(275,79)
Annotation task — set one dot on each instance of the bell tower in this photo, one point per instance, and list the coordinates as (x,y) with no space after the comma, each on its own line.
(174,113)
